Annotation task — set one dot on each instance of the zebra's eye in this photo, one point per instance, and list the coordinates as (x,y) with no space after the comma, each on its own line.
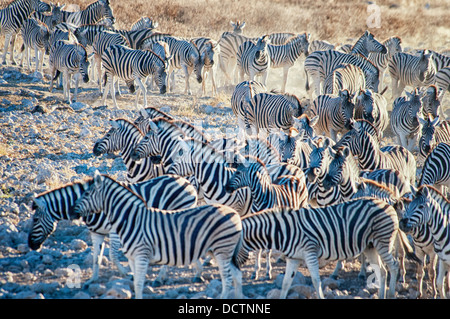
(180,152)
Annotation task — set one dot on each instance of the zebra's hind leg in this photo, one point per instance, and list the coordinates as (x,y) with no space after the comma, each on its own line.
(114,253)
(226,276)
(97,255)
(291,270)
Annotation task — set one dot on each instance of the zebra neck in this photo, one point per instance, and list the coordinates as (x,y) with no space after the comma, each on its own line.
(262,190)
(440,228)
(129,141)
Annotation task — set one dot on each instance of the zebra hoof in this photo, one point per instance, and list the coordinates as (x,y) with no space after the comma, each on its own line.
(254,276)
(334,277)
(207,263)
(198,279)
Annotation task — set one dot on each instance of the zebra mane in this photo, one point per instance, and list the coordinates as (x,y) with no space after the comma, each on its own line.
(262,146)
(205,146)
(250,159)
(177,124)
(433,192)
(129,123)
(376,184)
(124,185)
(80,183)
(158,56)
(95,4)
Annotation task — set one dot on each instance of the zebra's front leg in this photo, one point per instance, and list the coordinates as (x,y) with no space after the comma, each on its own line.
(257,267)
(13,43)
(442,269)
(140,265)
(213,82)
(97,256)
(5,48)
(187,88)
(77,81)
(312,262)
(285,77)
(114,253)
(66,86)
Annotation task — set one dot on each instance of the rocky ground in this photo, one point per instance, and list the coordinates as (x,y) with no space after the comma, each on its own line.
(46,143)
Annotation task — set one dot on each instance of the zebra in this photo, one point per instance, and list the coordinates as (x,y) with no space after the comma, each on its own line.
(404,119)
(320,63)
(254,59)
(327,234)
(132,65)
(55,205)
(286,191)
(430,208)
(335,113)
(93,13)
(443,81)
(35,36)
(264,112)
(102,41)
(123,136)
(68,58)
(284,56)
(366,147)
(50,20)
(436,170)
(144,23)
(12,19)
(344,77)
(206,47)
(381,60)
(320,45)
(431,105)
(407,69)
(144,231)
(137,38)
(239,99)
(229,44)
(372,106)
(434,131)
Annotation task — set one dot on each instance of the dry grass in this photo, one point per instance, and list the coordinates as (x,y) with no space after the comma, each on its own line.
(332,20)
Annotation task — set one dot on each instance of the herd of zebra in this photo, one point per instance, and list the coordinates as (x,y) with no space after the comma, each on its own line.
(311,183)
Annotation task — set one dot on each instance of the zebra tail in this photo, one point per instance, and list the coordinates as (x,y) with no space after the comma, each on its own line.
(240,254)
(22,48)
(409,250)
(307,81)
(56,75)
(105,78)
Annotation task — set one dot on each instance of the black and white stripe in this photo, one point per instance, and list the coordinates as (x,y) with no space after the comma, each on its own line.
(93,13)
(345,77)
(336,232)
(434,131)
(153,236)
(372,106)
(35,36)
(165,192)
(50,20)
(436,169)
(430,209)
(132,66)
(254,59)
(207,49)
(443,81)
(12,19)
(124,136)
(285,55)
(335,113)
(69,59)
(409,70)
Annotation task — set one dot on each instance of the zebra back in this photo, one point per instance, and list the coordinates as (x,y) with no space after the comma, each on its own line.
(344,77)
(436,169)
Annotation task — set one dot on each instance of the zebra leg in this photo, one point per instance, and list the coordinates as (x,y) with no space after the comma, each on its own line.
(77,81)
(312,263)
(237,280)
(162,275)
(213,82)
(187,89)
(37,59)
(66,86)
(144,91)
(114,252)
(225,274)
(291,270)
(268,264)
(13,43)
(97,256)
(441,278)
(198,271)
(432,272)
(255,274)
(379,271)
(338,268)
(98,63)
(285,77)
(5,48)
(139,271)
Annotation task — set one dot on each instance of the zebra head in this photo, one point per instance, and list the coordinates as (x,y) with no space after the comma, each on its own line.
(57,15)
(431,102)
(43,224)
(319,159)
(346,108)
(373,45)
(335,175)
(305,126)
(418,212)
(41,6)
(84,62)
(113,140)
(248,168)
(149,145)
(104,10)
(393,45)
(414,103)
(365,103)
(238,26)
(427,139)
(208,54)
(262,52)
(91,200)
(426,67)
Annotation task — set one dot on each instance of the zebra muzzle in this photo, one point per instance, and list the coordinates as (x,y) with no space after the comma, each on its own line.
(405,225)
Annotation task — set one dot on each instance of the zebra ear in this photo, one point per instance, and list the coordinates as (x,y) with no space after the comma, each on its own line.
(114,124)
(144,113)
(422,121)
(346,151)
(153,126)
(314,120)
(97,178)
(435,121)
(425,191)
(39,202)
